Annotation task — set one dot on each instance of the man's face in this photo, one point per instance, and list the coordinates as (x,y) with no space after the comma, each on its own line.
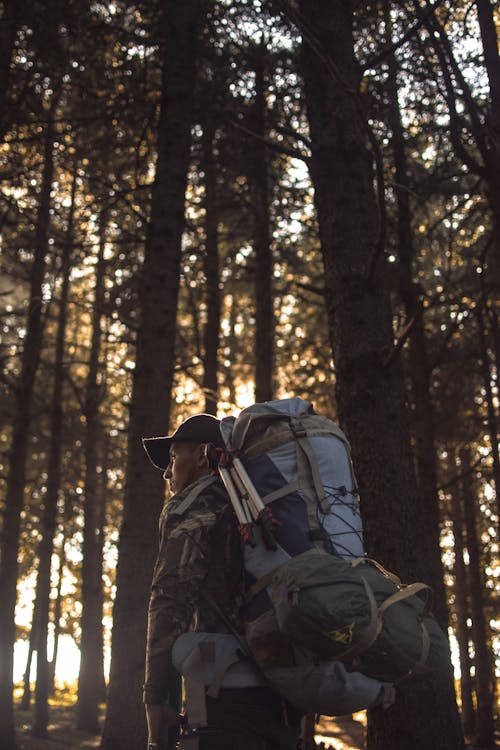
(187,464)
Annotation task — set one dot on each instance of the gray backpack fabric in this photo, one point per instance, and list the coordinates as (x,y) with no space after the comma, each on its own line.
(316,621)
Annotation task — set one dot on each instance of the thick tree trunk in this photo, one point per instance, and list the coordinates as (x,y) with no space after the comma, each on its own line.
(418,369)
(211,264)
(46,546)
(462,614)
(370,392)
(91,676)
(153,375)
(259,183)
(485,728)
(16,478)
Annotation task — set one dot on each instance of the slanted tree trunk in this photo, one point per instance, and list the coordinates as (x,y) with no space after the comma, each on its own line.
(485,728)
(16,478)
(46,546)
(369,382)
(418,364)
(91,686)
(153,376)
(211,265)
(462,614)
(259,184)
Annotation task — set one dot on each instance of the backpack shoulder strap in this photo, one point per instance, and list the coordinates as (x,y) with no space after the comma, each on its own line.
(199,487)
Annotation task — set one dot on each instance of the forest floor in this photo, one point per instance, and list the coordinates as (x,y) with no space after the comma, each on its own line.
(343,733)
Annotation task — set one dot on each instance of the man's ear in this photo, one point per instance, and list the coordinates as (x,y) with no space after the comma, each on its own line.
(201,456)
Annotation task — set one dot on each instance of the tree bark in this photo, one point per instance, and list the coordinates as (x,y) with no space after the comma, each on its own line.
(370,392)
(259,183)
(9,24)
(490,409)
(153,376)
(211,264)
(16,479)
(489,38)
(231,344)
(57,613)
(418,365)
(25,704)
(485,728)
(91,685)
(43,586)
(462,614)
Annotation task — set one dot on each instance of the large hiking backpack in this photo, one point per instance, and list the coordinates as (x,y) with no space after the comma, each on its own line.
(323,622)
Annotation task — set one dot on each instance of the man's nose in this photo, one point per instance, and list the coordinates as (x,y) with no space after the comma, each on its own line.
(167,474)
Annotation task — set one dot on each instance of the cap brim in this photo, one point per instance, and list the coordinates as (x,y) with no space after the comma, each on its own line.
(158,450)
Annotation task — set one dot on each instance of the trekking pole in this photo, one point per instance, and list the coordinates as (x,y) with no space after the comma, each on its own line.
(218,460)
(242,513)
(264,515)
(243,493)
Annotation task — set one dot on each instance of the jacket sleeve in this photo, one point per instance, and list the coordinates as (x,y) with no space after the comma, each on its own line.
(181,568)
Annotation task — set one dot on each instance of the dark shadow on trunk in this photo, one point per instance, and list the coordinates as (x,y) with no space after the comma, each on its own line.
(153,376)
(369,381)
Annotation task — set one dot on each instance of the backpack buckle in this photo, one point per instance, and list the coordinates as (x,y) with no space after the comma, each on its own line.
(298,429)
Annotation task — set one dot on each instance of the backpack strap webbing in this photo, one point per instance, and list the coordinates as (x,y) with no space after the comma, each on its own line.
(264,581)
(376,620)
(199,487)
(300,434)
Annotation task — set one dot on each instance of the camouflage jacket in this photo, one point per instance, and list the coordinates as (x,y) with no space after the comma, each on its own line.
(199,549)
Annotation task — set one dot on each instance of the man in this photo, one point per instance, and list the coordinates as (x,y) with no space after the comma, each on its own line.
(198,585)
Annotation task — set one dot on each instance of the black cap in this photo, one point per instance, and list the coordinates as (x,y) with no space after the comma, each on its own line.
(202,428)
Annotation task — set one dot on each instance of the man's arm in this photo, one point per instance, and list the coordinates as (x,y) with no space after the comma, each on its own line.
(181,568)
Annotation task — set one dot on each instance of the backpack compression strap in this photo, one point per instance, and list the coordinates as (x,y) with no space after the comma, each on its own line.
(376,622)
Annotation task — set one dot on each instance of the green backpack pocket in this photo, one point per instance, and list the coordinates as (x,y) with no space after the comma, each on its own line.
(356,612)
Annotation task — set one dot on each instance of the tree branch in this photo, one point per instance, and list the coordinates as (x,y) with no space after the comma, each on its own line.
(294,153)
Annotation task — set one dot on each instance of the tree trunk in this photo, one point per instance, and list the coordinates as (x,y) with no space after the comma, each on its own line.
(91,677)
(231,343)
(369,382)
(16,479)
(211,264)
(57,612)
(46,546)
(104,441)
(489,38)
(485,729)
(258,178)
(462,614)
(25,704)
(9,24)
(153,376)
(418,367)
(490,409)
